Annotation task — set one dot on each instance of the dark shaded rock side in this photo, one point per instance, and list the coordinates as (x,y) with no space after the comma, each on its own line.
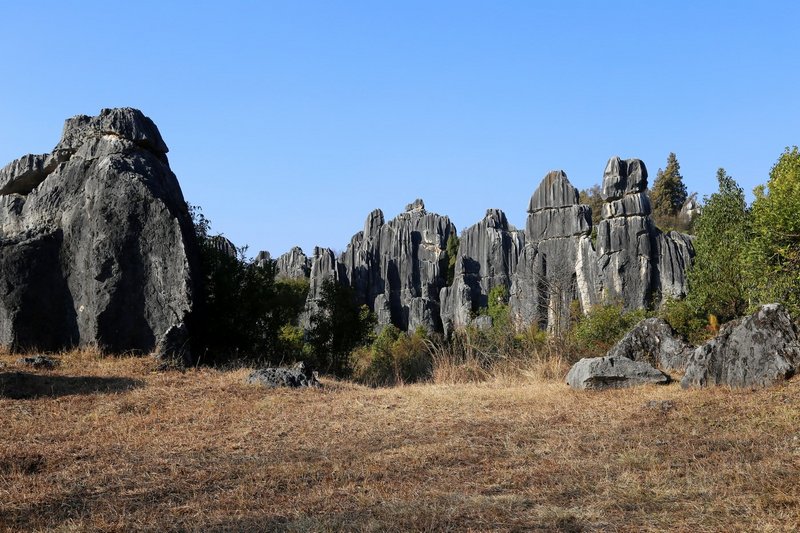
(97,245)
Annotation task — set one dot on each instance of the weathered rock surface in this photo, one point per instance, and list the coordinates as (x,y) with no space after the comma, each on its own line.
(38,361)
(403,260)
(653,341)
(294,264)
(613,373)
(488,254)
(397,268)
(754,351)
(96,241)
(223,245)
(546,278)
(295,376)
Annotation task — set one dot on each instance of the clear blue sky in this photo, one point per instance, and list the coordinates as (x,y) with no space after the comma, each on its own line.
(288,122)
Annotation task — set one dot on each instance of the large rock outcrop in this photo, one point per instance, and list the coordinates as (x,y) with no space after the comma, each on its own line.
(488,255)
(398,268)
(96,242)
(754,351)
(556,263)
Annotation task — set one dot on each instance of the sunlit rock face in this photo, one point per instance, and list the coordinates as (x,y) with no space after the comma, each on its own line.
(96,242)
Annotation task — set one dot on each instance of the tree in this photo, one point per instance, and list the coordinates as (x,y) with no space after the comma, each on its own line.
(593,197)
(244,308)
(338,326)
(452,256)
(669,192)
(774,255)
(717,281)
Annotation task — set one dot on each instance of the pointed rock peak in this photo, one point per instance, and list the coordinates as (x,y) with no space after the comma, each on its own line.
(416,205)
(125,122)
(373,223)
(263,256)
(555,190)
(496,219)
(623,177)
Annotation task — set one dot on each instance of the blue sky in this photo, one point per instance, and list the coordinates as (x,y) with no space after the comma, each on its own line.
(288,122)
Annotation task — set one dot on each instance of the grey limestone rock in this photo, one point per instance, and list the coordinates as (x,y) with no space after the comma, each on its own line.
(488,253)
(546,278)
(754,351)
(405,261)
(97,242)
(623,177)
(613,373)
(655,342)
(263,258)
(224,245)
(295,376)
(294,264)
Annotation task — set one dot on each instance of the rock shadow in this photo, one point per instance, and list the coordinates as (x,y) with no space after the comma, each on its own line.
(24,385)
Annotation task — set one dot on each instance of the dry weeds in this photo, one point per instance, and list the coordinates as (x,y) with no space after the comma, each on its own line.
(109,444)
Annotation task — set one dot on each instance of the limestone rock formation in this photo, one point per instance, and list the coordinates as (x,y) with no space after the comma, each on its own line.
(754,351)
(398,268)
(294,264)
(555,266)
(655,342)
(613,373)
(96,241)
(488,254)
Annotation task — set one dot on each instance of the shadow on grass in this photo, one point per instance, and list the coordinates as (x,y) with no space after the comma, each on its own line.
(22,385)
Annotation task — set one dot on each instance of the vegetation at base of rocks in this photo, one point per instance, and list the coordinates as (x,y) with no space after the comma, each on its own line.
(717,281)
(245,309)
(338,326)
(603,326)
(773,258)
(393,358)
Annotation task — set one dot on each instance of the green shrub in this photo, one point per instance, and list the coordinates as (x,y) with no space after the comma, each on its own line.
(393,357)
(603,326)
(686,320)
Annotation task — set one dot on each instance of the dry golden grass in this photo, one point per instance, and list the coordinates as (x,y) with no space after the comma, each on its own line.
(109,445)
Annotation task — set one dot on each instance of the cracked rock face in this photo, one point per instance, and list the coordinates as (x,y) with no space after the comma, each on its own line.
(754,351)
(655,342)
(397,268)
(97,242)
(613,373)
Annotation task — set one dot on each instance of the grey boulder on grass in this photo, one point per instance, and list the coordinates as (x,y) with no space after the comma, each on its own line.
(613,372)
(753,351)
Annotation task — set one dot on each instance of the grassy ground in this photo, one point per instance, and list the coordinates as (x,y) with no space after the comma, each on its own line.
(108,444)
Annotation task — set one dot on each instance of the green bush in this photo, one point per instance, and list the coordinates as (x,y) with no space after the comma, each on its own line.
(603,326)
(393,357)
(686,320)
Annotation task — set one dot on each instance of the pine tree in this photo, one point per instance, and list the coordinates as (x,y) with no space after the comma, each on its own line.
(669,192)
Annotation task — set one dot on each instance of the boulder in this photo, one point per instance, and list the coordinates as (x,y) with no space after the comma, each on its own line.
(97,246)
(754,351)
(653,341)
(294,377)
(613,373)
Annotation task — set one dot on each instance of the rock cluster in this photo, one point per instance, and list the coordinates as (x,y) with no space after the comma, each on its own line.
(397,268)
(96,242)
(751,352)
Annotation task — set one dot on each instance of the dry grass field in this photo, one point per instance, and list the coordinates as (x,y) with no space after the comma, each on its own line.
(111,445)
